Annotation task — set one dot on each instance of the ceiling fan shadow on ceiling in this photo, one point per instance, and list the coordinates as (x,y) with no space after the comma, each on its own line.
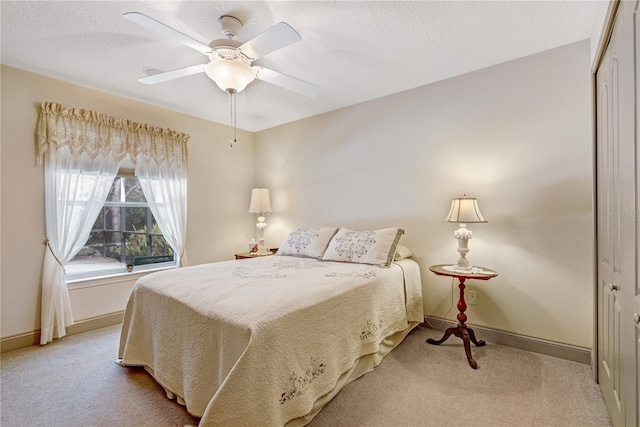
(230,61)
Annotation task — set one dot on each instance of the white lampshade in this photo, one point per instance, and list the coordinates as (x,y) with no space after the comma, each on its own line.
(260,201)
(230,74)
(465,210)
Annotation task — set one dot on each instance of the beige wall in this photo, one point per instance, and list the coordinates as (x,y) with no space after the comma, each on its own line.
(220,179)
(517,136)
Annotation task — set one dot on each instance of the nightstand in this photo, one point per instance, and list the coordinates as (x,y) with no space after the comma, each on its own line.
(245,255)
(461,330)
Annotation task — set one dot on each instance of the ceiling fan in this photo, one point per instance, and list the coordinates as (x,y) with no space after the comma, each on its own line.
(230,61)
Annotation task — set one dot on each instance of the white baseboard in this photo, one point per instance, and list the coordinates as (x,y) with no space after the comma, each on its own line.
(16,342)
(522,342)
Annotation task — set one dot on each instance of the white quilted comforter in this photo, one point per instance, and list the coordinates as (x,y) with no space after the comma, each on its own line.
(257,342)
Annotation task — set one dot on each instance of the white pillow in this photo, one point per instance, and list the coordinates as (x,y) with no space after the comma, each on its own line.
(307,242)
(376,247)
(402,252)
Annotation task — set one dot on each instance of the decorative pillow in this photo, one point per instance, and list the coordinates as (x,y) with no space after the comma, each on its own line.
(376,247)
(402,252)
(307,242)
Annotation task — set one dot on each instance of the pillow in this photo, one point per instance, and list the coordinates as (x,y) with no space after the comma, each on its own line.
(402,252)
(376,247)
(307,242)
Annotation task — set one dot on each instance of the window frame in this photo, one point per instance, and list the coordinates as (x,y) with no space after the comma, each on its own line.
(124,268)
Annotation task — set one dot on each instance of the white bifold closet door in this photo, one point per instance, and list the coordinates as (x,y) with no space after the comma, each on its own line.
(617,217)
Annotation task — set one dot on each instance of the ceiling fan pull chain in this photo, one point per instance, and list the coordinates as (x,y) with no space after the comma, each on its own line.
(235,116)
(232,106)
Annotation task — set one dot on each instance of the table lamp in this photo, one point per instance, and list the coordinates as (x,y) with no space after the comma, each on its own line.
(464,210)
(260,204)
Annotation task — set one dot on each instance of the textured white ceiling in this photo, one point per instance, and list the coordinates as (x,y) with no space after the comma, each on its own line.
(354,50)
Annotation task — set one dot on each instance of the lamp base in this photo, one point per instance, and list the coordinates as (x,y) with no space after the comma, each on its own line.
(463,235)
(261,225)
(261,249)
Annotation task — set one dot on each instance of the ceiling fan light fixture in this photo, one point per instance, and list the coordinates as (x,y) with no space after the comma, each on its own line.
(230,74)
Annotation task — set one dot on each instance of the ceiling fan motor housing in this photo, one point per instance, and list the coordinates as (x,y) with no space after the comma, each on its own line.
(227,49)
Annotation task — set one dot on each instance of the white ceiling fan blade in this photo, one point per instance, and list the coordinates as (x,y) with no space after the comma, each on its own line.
(287,82)
(173,74)
(161,28)
(276,37)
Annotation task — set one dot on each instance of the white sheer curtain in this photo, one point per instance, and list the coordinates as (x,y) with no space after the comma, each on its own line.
(82,150)
(75,190)
(165,188)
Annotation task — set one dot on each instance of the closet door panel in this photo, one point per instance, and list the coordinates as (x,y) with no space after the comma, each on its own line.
(608,234)
(617,234)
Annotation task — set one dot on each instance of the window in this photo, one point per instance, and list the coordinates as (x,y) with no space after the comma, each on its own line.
(124,234)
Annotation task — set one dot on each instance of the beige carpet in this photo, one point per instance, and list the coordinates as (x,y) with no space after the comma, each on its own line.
(75,382)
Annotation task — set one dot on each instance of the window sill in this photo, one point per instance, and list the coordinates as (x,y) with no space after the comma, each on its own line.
(108,279)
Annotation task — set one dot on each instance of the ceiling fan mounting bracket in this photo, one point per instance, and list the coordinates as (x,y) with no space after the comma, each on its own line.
(229,25)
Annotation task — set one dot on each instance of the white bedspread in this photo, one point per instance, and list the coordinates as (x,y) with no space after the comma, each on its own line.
(257,342)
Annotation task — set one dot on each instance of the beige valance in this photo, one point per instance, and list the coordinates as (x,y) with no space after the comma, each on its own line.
(96,134)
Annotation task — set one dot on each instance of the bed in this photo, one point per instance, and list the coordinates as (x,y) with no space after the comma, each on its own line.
(267,341)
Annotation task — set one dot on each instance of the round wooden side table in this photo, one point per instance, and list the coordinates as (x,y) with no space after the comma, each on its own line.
(462,330)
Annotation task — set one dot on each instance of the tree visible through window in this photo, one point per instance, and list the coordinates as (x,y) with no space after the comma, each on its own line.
(125,233)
